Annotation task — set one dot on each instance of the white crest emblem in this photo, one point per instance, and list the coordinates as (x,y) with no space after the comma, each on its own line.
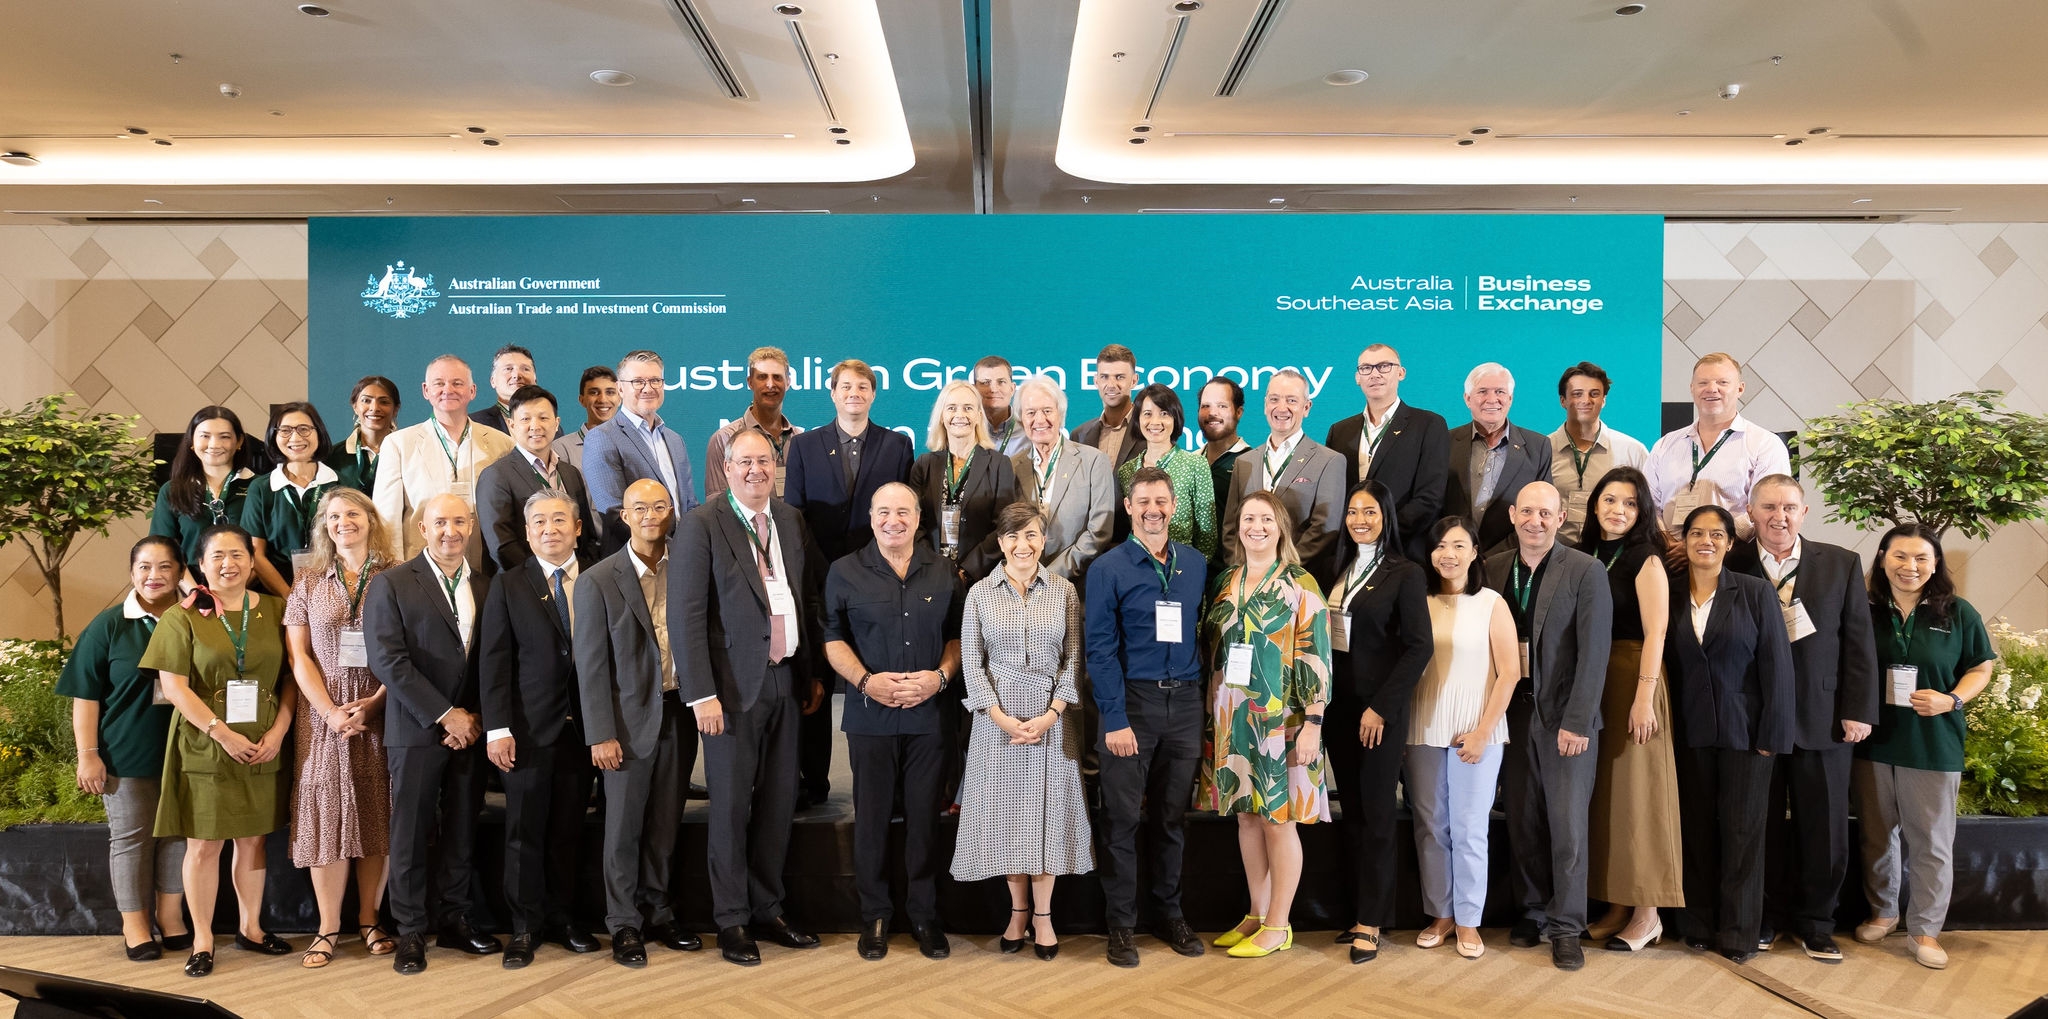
(401,292)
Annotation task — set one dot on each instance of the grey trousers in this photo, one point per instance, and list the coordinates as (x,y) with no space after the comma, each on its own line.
(1548,797)
(643,803)
(1908,819)
(143,866)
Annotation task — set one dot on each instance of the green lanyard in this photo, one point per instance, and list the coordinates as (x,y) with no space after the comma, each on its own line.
(1579,465)
(450,584)
(1003,437)
(1273,469)
(355,598)
(1902,634)
(1522,588)
(217,503)
(760,545)
(454,472)
(303,508)
(1244,597)
(363,461)
(955,484)
(1700,463)
(550,481)
(1373,440)
(1045,477)
(1785,578)
(1607,563)
(239,640)
(1165,569)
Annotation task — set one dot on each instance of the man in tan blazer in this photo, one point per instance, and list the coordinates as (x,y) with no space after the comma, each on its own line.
(1074,482)
(443,454)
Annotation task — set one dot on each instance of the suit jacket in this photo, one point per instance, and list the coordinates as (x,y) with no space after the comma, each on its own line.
(1312,485)
(1391,640)
(1088,431)
(412,467)
(1528,459)
(990,485)
(615,455)
(416,651)
(493,416)
(1835,667)
(618,663)
(815,484)
(1734,688)
(1413,461)
(501,494)
(526,667)
(1572,629)
(1081,507)
(718,604)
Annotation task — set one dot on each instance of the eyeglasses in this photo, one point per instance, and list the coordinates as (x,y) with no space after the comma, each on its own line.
(295,431)
(1382,368)
(641,385)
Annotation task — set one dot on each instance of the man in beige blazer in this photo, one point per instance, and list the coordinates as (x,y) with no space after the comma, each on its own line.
(443,454)
(1074,482)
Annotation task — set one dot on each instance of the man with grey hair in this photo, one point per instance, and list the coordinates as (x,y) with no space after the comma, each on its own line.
(1073,481)
(636,445)
(443,454)
(1492,459)
(1307,476)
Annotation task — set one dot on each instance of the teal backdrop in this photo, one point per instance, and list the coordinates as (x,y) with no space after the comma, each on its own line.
(921,296)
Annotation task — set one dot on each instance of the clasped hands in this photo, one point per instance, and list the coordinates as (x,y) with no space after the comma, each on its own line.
(246,751)
(1023,731)
(349,719)
(902,689)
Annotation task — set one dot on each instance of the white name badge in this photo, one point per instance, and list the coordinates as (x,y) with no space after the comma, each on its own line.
(1525,659)
(242,696)
(1798,625)
(302,560)
(1237,669)
(354,655)
(1901,681)
(780,601)
(949,526)
(464,490)
(1166,621)
(156,692)
(1682,505)
(1340,631)
(1575,506)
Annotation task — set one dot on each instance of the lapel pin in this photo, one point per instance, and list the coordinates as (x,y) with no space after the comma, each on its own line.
(927,597)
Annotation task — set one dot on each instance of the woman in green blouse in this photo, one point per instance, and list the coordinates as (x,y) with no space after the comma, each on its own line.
(278,512)
(374,402)
(222,664)
(1933,656)
(1161,423)
(118,723)
(207,485)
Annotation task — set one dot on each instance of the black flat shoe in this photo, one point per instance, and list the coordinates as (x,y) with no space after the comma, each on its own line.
(780,932)
(464,938)
(201,964)
(571,937)
(148,951)
(931,939)
(410,956)
(1123,949)
(177,942)
(1180,937)
(270,945)
(1364,948)
(518,951)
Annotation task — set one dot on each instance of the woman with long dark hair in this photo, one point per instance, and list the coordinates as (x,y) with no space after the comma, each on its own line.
(373,400)
(209,480)
(279,510)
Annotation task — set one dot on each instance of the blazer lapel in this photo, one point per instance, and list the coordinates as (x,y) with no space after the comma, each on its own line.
(438,595)
(628,580)
(1724,597)
(545,591)
(635,445)
(1543,595)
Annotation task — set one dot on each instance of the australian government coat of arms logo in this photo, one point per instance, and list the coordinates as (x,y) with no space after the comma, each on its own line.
(401,292)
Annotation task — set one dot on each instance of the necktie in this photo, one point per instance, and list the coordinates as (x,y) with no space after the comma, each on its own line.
(778,633)
(562,598)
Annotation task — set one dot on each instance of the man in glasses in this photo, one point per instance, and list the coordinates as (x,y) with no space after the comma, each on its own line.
(636,445)
(1405,448)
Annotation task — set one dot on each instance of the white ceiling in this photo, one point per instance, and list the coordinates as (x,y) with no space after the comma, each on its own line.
(1934,111)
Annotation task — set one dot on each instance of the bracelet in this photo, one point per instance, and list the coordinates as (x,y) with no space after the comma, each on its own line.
(82,751)
(209,726)
(1646,679)
(862,686)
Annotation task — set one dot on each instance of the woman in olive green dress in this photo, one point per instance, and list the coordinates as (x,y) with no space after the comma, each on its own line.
(222,664)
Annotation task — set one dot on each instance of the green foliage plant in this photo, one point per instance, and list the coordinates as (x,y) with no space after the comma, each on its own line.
(1960,462)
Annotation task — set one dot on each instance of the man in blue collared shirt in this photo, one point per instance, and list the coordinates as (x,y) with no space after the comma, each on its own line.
(1144,599)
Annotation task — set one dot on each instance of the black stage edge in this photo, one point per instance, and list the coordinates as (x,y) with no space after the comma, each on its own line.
(53,880)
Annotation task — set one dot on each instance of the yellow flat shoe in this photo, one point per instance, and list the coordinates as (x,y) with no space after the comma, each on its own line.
(1233,935)
(1250,949)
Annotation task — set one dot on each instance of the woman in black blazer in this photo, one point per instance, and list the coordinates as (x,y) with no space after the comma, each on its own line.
(962,475)
(1380,641)
(1730,663)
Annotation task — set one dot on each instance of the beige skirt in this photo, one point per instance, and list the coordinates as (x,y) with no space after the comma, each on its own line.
(1634,857)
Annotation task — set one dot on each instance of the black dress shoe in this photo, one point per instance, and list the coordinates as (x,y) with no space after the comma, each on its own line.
(1180,937)
(1699,944)
(518,951)
(411,954)
(148,951)
(201,964)
(1525,934)
(177,942)
(874,940)
(1123,948)
(737,948)
(931,939)
(627,947)
(1566,954)
(1821,947)
(571,937)
(1366,948)
(780,932)
(1765,938)
(1344,936)
(270,945)
(1738,956)
(698,792)
(673,938)
(464,938)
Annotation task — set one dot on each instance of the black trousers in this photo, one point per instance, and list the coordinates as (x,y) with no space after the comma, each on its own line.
(1366,781)
(546,795)
(814,748)
(1721,825)
(752,772)
(880,764)
(435,795)
(1807,854)
(1150,790)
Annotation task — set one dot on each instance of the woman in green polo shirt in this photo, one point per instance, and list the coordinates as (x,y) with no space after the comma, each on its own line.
(118,723)
(206,488)
(278,511)
(374,403)
(1933,656)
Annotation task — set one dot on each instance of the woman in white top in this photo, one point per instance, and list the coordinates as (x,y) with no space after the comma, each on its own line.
(1455,732)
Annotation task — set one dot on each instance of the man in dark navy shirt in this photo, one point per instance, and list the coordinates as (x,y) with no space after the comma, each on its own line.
(892,624)
(1144,599)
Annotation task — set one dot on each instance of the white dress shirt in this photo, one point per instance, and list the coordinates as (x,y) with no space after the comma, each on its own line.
(1701,612)
(1274,458)
(774,536)
(1611,449)
(1749,455)
(547,579)
(1778,570)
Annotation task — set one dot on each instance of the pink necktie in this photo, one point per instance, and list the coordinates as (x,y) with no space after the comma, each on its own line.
(778,636)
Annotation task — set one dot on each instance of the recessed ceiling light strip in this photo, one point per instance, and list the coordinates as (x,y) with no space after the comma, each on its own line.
(715,60)
(1635,137)
(1180,31)
(803,52)
(1255,35)
(743,137)
(1300,134)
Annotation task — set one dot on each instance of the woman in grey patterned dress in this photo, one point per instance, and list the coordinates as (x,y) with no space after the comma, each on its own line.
(1021,811)
(341,803)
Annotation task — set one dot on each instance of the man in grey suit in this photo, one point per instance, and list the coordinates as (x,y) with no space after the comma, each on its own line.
(1491,459)
(1074,482)
(633,721)
(1564,622)
(1307,476)
(535,464)
(636,445)
(743,601)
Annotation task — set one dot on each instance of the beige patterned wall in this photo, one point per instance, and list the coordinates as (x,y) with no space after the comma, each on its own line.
(159,320)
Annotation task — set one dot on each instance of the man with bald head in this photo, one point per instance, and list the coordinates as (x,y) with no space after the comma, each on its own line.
(419,629)
(445,453)
(1564,624)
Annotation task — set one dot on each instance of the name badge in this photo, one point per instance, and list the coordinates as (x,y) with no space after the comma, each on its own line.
(1901,681)
(242,697)
(1166,621)
(780,601)
(1575,506)
(1340,631)
(302,559)
(354,655)
(1683,504)
(1798,625)
(464,490)
(156,692)
(1237,669)
(949,526)
(1525,659)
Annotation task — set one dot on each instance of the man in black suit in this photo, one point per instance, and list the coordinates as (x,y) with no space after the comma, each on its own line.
(831,477)
(1115,432)
(511,370)
(503,487)
(1491,459)
(1405,448)
(527,680)
(634,720)
(1834,667)
(418,622)
(743,600)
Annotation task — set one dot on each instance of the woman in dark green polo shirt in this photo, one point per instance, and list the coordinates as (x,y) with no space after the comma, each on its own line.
(374,402)
(278,511)
(1933,656)
(118,723)
(206,488)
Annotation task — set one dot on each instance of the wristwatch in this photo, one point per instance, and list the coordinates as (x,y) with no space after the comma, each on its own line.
(1313,719)
(1959,701)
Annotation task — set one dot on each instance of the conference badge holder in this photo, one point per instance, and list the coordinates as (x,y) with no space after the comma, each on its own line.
(302,560)
(949,526)
(353,653)
(1683,504)
(1237,669)
(1901,681)
(464,490)
(1798,625)
(1340,631)
(242,698)
(1575,508)
(1166,621)
(780,601)
(1526,674)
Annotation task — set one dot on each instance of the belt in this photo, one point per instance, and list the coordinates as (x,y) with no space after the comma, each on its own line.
(1163,684)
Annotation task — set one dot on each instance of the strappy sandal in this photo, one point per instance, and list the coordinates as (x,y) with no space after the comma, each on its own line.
(381,944)
(317,957)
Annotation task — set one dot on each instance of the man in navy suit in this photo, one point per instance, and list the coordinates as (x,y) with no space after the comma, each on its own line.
(633,445)
(831,477)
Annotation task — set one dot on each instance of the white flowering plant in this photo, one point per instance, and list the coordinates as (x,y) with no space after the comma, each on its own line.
(2005,750)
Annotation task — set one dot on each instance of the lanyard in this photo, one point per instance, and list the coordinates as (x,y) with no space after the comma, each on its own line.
(217,502)
(1700,463)
(1607,563)
(1165,569)
(548,477)
(1522,588)
(1358,576)
(1785,578)
(1579,465)
(1244,598)
(303,507)
(449,584)
(1373,438)
(239,640)
(1273,469)
(355,598)
(364,458)
(1045,476)
(1003,437)
(760,545)
(955,483)
(1902,635)
(454,473)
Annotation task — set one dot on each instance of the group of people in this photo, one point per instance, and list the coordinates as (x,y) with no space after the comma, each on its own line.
(1632,649)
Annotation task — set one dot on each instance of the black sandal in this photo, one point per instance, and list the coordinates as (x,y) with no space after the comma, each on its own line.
(382,944)
(324,955)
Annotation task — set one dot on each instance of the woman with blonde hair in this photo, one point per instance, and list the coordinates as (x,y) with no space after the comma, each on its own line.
(963,482)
